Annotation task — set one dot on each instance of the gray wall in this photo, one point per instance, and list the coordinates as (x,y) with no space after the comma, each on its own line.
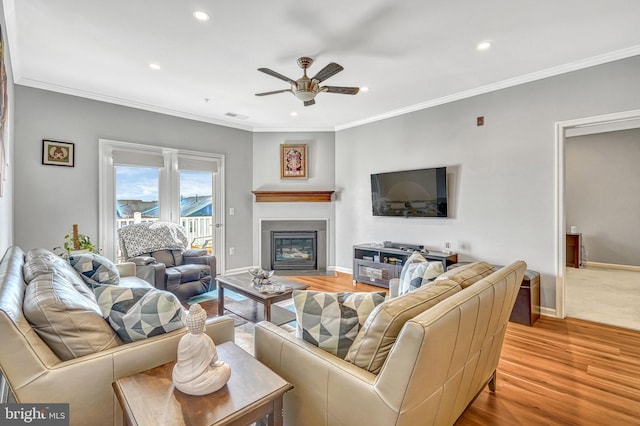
(505,179)
(53,198)
(266,176)
(6,201)
(602,195)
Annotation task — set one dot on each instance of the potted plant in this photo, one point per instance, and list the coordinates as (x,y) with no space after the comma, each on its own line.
(75,243)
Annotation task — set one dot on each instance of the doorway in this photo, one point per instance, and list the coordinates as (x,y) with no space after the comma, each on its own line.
(583,126)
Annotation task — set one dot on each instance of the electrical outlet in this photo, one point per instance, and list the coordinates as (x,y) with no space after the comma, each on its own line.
(232,251)
(232,211)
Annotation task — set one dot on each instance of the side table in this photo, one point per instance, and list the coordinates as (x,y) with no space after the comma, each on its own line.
(252,393)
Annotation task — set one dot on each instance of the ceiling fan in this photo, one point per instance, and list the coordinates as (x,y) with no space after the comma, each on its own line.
(306,88)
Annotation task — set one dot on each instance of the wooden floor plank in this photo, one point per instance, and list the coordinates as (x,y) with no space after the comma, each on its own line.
(558,372)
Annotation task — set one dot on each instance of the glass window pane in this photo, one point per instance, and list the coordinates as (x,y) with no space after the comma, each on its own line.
(196,208)
(136,195)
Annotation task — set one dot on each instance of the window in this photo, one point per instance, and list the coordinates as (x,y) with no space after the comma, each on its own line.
(140,183)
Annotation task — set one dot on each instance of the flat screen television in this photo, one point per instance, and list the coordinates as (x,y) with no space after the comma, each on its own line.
(410,193)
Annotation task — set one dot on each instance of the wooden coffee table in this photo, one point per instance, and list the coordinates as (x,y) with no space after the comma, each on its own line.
(243,284)
(252,393)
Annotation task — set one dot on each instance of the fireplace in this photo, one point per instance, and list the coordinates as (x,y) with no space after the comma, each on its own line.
(294,250)
(294,244)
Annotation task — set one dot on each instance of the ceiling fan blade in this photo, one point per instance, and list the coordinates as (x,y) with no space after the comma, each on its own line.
(341,90)
(309,103)
(328,71)
(273,92)
(277,75)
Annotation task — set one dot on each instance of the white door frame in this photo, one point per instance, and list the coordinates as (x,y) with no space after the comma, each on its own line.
(616,121)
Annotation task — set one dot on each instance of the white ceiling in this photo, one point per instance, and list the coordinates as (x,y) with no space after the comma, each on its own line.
(411,54)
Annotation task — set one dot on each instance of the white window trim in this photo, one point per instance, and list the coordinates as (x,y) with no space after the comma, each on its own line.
(169,186)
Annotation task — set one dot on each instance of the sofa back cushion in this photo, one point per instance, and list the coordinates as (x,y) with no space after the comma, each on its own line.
(67,321)
(379,332)
(44,262)
(468,274)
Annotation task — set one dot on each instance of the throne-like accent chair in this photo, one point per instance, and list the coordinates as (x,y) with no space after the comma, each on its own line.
(159,250)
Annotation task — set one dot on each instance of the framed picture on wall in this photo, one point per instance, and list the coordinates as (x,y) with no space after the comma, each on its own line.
(293,161)
(56,153)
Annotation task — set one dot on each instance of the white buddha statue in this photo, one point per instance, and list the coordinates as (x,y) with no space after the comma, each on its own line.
(197,370)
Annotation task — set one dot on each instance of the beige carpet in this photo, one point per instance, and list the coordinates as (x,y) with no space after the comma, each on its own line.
(607,296)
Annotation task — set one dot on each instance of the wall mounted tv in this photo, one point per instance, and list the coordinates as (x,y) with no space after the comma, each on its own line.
(410,193)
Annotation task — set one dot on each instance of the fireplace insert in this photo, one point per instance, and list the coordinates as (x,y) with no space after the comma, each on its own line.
(296,250)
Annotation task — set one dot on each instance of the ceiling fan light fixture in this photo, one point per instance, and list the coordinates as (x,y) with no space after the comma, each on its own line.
(305,95)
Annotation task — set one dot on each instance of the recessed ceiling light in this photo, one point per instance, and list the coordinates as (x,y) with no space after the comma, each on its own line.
(364,89)
(200,15)
(484,45)
(294,114)
(154,66)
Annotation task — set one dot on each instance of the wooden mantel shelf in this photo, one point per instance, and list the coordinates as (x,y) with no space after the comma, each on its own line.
(293,196)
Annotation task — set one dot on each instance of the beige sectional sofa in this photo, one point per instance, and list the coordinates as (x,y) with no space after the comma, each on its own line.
(419,359)
(93,359)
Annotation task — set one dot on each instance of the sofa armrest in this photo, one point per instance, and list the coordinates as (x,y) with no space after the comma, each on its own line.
(326,388)
(141,260)
(126,269)
(195,252)
(153,273)
(86,382)
(207,259)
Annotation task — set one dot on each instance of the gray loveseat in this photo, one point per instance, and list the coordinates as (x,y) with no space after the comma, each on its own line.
(36,374)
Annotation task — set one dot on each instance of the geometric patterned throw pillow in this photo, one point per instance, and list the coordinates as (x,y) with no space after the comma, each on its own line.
(331,321)
(139,313)
(95,269)
(417,272)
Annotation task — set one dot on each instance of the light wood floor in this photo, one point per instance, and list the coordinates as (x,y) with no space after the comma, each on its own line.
(558,372)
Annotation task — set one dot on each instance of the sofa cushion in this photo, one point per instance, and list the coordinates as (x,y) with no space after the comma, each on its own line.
(468,274)
(67,321)
(44,262)
(379,332)
(139,313)
(331,320)
(95,269)
(417,272)
(186,273)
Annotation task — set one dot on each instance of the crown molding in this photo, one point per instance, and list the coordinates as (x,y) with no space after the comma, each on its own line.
(126,102)
(516,81)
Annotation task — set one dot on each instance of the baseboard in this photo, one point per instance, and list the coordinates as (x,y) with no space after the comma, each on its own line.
(548,312)
(343,270)
(612,266)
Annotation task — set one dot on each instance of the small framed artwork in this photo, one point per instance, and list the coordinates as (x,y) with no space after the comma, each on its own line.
(293,161)
(56,153)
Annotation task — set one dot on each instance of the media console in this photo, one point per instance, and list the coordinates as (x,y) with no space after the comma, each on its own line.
(377,265)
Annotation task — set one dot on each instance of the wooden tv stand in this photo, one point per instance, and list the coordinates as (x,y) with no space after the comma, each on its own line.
(377,265)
